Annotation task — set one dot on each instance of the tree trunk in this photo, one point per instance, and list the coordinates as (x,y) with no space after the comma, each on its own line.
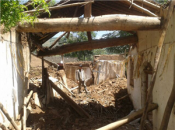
(99,23)
(90,45)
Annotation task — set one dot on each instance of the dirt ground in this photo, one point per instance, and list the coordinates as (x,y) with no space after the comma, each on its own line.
(104,104)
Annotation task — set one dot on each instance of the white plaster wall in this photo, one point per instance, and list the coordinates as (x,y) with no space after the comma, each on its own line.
(13,71)
(134,91)
(147,47)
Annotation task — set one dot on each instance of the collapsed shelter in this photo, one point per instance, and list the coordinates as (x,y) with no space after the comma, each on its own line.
(150,62)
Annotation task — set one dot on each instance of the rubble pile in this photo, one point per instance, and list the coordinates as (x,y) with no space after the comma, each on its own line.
(105,103)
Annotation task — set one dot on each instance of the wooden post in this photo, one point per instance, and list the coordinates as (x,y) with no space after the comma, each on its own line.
(87,14)
(169,106)
(8,117)
(157,57)
(127,119)
(77,108)
(42,64)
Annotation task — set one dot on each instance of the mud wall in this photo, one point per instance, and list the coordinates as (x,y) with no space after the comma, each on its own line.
(14,68)
(145,53)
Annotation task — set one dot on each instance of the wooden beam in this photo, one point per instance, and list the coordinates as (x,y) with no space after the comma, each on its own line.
(77,108)
(169,106)
(139,8)
(156,62)
(99,23)
(59,7)
(57,40)
(128,118)
(90,45)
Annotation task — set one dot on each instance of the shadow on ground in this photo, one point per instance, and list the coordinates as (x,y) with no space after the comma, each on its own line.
(59,115)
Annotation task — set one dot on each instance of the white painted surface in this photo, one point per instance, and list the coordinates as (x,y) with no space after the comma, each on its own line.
(13,72)
(147,47)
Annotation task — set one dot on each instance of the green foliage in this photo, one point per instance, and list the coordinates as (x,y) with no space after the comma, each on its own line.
(99,51)
(12,12)
(161,1)
(78,37)
(118,49)
(51,3)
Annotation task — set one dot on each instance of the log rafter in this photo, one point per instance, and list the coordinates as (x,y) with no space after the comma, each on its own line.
(99,23)
(90,45)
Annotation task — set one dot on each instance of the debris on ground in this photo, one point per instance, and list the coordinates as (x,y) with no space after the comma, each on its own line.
(101,103)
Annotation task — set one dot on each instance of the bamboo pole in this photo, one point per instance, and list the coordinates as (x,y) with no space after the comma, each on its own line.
(8,117)
(98,23)
(77,108)
(127,119)
(169,106)
(157,57)
(59,7)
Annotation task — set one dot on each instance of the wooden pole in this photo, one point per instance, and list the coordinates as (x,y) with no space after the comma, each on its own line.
(24,115)
(87,14)
(99,23)
(90,45)
(139,8)
(77,108)
(127,119)
(57,40)
(157,57)
(26,101)
(59,7)
(169,106)
(43,82)
(8,117)
(65,87)
(154,6)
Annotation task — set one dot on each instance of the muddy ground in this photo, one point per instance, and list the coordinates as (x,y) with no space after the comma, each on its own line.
(104,104)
